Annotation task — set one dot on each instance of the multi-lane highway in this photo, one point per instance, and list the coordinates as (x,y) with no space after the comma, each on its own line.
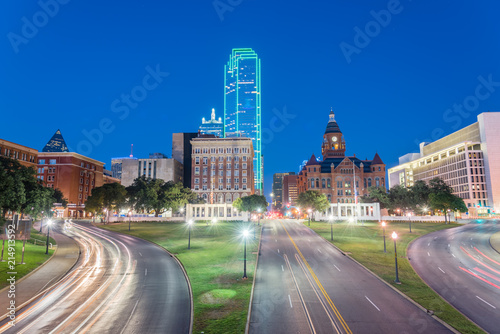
(121,284)
(304,285)
(461,266)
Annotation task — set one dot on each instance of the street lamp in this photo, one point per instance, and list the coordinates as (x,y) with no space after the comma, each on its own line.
(383,229)
(245,236)
(309,214)
(409,220)
(129,219)
(398,211)
(258,210)
(190,224)
(331,227)
(49,222)
(394,237)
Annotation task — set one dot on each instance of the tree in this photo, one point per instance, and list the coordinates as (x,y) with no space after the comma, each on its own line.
(314,200)
(12,192)
(250,203)
(445,201)
(419,194)
(400,198)
(377,195)
(110,196)
(59,197)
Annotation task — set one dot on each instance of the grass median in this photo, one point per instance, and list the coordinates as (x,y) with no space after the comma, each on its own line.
(214,265)
(365,244)
(34,256)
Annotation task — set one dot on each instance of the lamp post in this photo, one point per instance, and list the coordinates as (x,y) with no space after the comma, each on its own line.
(409,220)
(258,210)
(245,236)
(272,195)
(41,223)
(105,215)
(49,222)
(309,214)
(190,224)
(394,237)
(129,219)
(383,229)
(331,227)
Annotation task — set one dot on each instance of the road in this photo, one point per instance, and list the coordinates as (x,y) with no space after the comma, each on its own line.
(121,284)
(304,285)
(461,266)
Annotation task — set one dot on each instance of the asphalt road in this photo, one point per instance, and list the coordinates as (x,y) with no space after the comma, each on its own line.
(121,284)
(304,285)
(464,269)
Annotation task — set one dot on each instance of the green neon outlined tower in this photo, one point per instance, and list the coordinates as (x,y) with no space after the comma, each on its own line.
(242,104)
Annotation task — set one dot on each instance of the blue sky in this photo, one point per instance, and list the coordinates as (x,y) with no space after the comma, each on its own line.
(391,85)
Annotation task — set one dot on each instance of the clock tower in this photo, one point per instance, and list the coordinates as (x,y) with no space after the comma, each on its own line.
(333,140)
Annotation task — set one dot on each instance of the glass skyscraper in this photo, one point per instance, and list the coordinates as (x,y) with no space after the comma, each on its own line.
(242,104)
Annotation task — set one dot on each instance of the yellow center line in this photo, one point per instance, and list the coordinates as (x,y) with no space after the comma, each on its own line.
(325,294)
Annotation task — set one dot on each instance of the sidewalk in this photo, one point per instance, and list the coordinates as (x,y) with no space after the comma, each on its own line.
(64,258)
(495,241)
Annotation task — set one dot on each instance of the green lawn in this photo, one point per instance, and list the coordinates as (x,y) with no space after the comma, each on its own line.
(365,244)
(214,265)
(34,256)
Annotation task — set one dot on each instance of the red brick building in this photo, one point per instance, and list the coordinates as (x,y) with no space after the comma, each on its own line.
(338,176)
(74,174)
(222,168)
(25,155)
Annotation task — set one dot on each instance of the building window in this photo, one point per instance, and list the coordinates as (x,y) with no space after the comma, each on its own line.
(204,180)
(52,161)
(228,180)
(221,180)
(236,173)
(221,173)
(197,160)
(369,182)
(197,171)
(40,162)
(204,187)
(236,187)
(244,187)
(328,184)
(205,160)
(245,158)
(196,187)
(196,181)
(323,183)
(317,183)
(244,166)
(221,187)
(244,180)
(236,180)
(81,181)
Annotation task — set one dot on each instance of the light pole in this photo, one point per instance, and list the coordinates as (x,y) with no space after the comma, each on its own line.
(309,214)
(105,215)
(190,223)
(245,236)
(409,220)
(331,227)
(394,237)
(41,223)
(181,210)
(272,195)
(258,210)
(383,229)
(129,219)
(49,222)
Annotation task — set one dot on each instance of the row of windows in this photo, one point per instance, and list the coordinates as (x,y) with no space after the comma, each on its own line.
(221,187)
(325,183)
(221,172)
(221,150)
(221,159)
(219,198)
(15,155)
(228,180)
(51,162)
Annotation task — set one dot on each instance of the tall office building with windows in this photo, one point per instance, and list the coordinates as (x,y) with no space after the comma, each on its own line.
(242,104)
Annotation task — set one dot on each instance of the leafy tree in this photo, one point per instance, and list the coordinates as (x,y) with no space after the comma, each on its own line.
(110,196)
(400,198)
(419,194)
(314,200)
(59,197)
(377,195)
(251,203)
(12,192)
(445,201)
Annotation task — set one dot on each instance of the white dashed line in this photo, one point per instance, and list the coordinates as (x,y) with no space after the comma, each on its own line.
(428,244)
(428,254)
(282,269)
(146,272)
(484,301)
(336,267)
(278,250)
(140,254)
(453,255)
(441,270)
(319,250)
(290,300)
(372,303)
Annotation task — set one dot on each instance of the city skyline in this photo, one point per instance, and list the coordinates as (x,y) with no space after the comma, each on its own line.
(405,81)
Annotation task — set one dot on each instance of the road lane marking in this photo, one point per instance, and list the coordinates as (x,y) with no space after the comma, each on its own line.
(428,244)
(453,255)
(282,269)
(441,270)
(484,301)
(325,294)
(319,250)
(428,254)
(336,267)
(278,250)
(477,250)
(140,254)
(372,303)
(130,317)
(290,300)
(275,240)
(482,279)
(146,272)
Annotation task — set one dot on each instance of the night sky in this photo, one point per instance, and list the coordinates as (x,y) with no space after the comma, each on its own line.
(390,82)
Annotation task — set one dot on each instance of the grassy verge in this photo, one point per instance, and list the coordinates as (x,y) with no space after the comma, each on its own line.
(34,256)
(214,265)
(365,244)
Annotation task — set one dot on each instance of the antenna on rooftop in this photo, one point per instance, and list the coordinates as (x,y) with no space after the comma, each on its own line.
(131,150)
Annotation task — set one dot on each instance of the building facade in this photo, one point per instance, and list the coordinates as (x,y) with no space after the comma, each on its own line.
(222,168)
(341,178)
(213,126)
(290,191)
(74,174)
(108,177)
(56,143)
(26,156)
(156,167)
(181,151)
(242,104)
(277,197)
(116,166)
(468,160)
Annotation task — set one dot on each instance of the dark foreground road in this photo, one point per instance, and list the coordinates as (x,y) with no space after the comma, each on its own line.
(121,284)
(304,285)
(461,266)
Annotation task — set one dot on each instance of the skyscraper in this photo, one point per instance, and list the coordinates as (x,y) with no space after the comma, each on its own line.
(213,126)
(242,104)
(56,143)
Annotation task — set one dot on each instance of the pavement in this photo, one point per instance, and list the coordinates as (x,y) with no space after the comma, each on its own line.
(305,285)
(461,266)
(120,284)
(495,241)
(45,276)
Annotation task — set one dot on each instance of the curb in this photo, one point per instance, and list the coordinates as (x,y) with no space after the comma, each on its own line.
(20,307)
(423,309)
(247,327)
(191,321)
(496,244)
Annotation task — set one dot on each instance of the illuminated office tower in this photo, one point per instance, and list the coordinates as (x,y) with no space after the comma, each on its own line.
(242,104)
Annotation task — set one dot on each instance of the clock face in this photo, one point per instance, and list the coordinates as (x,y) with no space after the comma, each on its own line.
(334,139)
